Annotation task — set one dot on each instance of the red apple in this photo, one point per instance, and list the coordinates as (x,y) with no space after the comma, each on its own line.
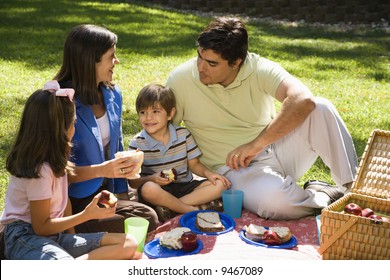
(271,238)
(376,218)
(170,174)
(189,240)
(367,212)
(174,171)
(385,219)
(107,199)
(353,208)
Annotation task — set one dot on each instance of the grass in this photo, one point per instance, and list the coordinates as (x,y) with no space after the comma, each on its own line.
(351,68)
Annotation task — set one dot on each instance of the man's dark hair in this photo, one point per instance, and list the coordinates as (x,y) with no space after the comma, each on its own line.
(227,37)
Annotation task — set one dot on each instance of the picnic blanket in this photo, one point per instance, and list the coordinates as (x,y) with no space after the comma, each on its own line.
(230,246)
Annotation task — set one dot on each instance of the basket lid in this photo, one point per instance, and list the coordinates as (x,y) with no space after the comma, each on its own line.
(373,174)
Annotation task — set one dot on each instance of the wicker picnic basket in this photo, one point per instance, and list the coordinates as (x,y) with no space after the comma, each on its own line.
(347,237)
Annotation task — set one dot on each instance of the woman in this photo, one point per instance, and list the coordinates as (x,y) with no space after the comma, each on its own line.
(88,63)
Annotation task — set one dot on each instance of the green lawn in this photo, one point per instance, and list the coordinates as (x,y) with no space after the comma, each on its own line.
(351,68)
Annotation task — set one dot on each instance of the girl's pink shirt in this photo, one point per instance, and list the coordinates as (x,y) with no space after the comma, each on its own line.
(21,191)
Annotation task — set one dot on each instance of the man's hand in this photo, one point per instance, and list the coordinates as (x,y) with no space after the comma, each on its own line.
(242,155)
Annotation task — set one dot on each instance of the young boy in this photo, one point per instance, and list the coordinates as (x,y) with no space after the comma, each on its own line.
(165,147)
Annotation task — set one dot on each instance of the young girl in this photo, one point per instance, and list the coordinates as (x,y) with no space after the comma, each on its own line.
(37,216)
(166,146)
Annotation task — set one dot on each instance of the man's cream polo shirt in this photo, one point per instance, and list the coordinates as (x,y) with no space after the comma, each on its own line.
(223,118)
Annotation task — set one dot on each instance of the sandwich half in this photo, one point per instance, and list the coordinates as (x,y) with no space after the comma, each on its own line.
(171,239)
(254,232)
(209,222)
(283,232)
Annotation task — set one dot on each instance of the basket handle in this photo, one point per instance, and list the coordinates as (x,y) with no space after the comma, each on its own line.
(337,235)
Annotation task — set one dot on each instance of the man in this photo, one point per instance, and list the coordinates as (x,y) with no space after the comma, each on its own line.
(225,97)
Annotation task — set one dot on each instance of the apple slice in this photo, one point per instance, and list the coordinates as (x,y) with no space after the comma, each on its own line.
(107,199)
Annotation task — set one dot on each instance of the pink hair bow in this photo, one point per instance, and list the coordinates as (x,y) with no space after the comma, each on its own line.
(54,86)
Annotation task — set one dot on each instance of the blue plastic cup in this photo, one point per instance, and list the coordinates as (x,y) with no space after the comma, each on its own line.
(232,202)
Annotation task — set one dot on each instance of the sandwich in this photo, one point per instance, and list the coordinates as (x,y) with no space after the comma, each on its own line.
(172,239)
(254,232)
(209,222)
(283,232)
(270,236)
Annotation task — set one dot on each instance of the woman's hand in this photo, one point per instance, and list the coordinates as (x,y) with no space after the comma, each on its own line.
(122,167)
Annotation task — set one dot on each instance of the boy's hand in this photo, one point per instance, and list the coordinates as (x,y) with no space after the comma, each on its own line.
(212,177)
(156,177)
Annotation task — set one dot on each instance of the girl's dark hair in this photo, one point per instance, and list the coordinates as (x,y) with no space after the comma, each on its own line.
(42,136)
(152,94)
(227,37)
(84,47)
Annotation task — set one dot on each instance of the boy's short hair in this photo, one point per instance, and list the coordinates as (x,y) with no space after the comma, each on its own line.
(152,94)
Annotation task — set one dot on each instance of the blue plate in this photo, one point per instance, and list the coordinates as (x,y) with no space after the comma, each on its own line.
(286,245)
(154,250)
(189,220)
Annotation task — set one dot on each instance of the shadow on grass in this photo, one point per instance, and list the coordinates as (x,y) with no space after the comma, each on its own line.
(365,48)
(34,32)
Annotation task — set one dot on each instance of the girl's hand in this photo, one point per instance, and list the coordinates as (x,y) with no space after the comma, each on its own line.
(93,210)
